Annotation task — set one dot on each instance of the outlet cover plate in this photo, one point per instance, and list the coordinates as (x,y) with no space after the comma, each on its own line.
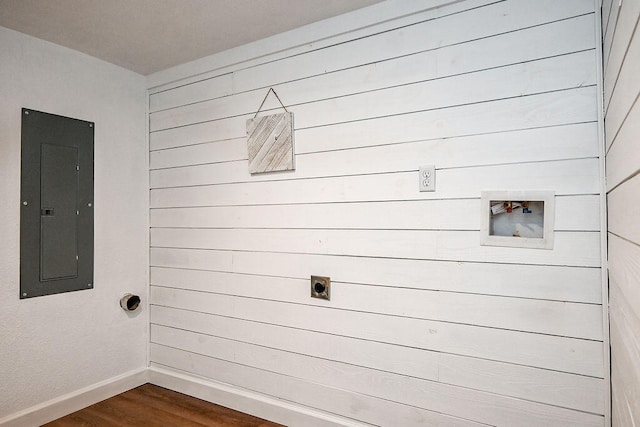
(427,178)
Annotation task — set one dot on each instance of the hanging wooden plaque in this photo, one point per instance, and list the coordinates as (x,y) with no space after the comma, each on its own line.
(270,143)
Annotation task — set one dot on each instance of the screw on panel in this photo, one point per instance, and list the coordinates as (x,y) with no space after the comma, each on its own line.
(89,204)
(26,112)
(90,125)
(24,294)
(25,203)
(89,285)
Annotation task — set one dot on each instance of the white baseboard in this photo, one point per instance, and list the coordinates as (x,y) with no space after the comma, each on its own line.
(246,401)
(64,405)
(269,408)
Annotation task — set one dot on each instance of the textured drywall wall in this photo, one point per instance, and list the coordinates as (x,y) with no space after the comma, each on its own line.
(58,344)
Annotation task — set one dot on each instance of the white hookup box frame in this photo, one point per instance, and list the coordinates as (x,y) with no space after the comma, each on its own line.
(528,224)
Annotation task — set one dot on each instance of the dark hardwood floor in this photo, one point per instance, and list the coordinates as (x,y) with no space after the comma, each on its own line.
(150,406)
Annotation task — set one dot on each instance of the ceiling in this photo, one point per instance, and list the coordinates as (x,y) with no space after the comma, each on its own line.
(146,36)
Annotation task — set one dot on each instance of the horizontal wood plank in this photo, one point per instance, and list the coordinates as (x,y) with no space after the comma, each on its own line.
(207,152)
(289,389)
(624,30)
(409,361)
(547,109)
(624,267)
(392,96)
(606,11)
(543,351)
(574,249)
(355,26)
(621,90)
(552,74)
(481,406)
(219,86)
(537,144)
(625,338)
(567,390)
(500,17)
(624,210)
(623,158)
(448,29)
(546,144)
(574,177)
(625,350)
(624,275)
(521,112)
(575,213)
(558,283)
(610,30)
(620,415)
(625,92)
(549,317)
(553,39)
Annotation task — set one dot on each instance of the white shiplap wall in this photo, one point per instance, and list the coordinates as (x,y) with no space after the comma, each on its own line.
(621,52)
(425,326)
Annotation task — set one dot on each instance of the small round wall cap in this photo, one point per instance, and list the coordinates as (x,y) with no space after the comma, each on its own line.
(129,302)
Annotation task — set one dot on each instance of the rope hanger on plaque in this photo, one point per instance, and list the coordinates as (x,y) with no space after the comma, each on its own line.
(270,140)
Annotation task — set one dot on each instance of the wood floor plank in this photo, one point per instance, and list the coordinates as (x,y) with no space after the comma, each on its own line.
(151,406)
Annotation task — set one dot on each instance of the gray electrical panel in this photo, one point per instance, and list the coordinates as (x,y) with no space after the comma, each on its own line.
(56,218)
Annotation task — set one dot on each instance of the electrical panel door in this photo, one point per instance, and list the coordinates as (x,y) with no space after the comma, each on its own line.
(56,221)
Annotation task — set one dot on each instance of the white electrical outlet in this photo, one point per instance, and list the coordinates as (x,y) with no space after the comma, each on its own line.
(427,175)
